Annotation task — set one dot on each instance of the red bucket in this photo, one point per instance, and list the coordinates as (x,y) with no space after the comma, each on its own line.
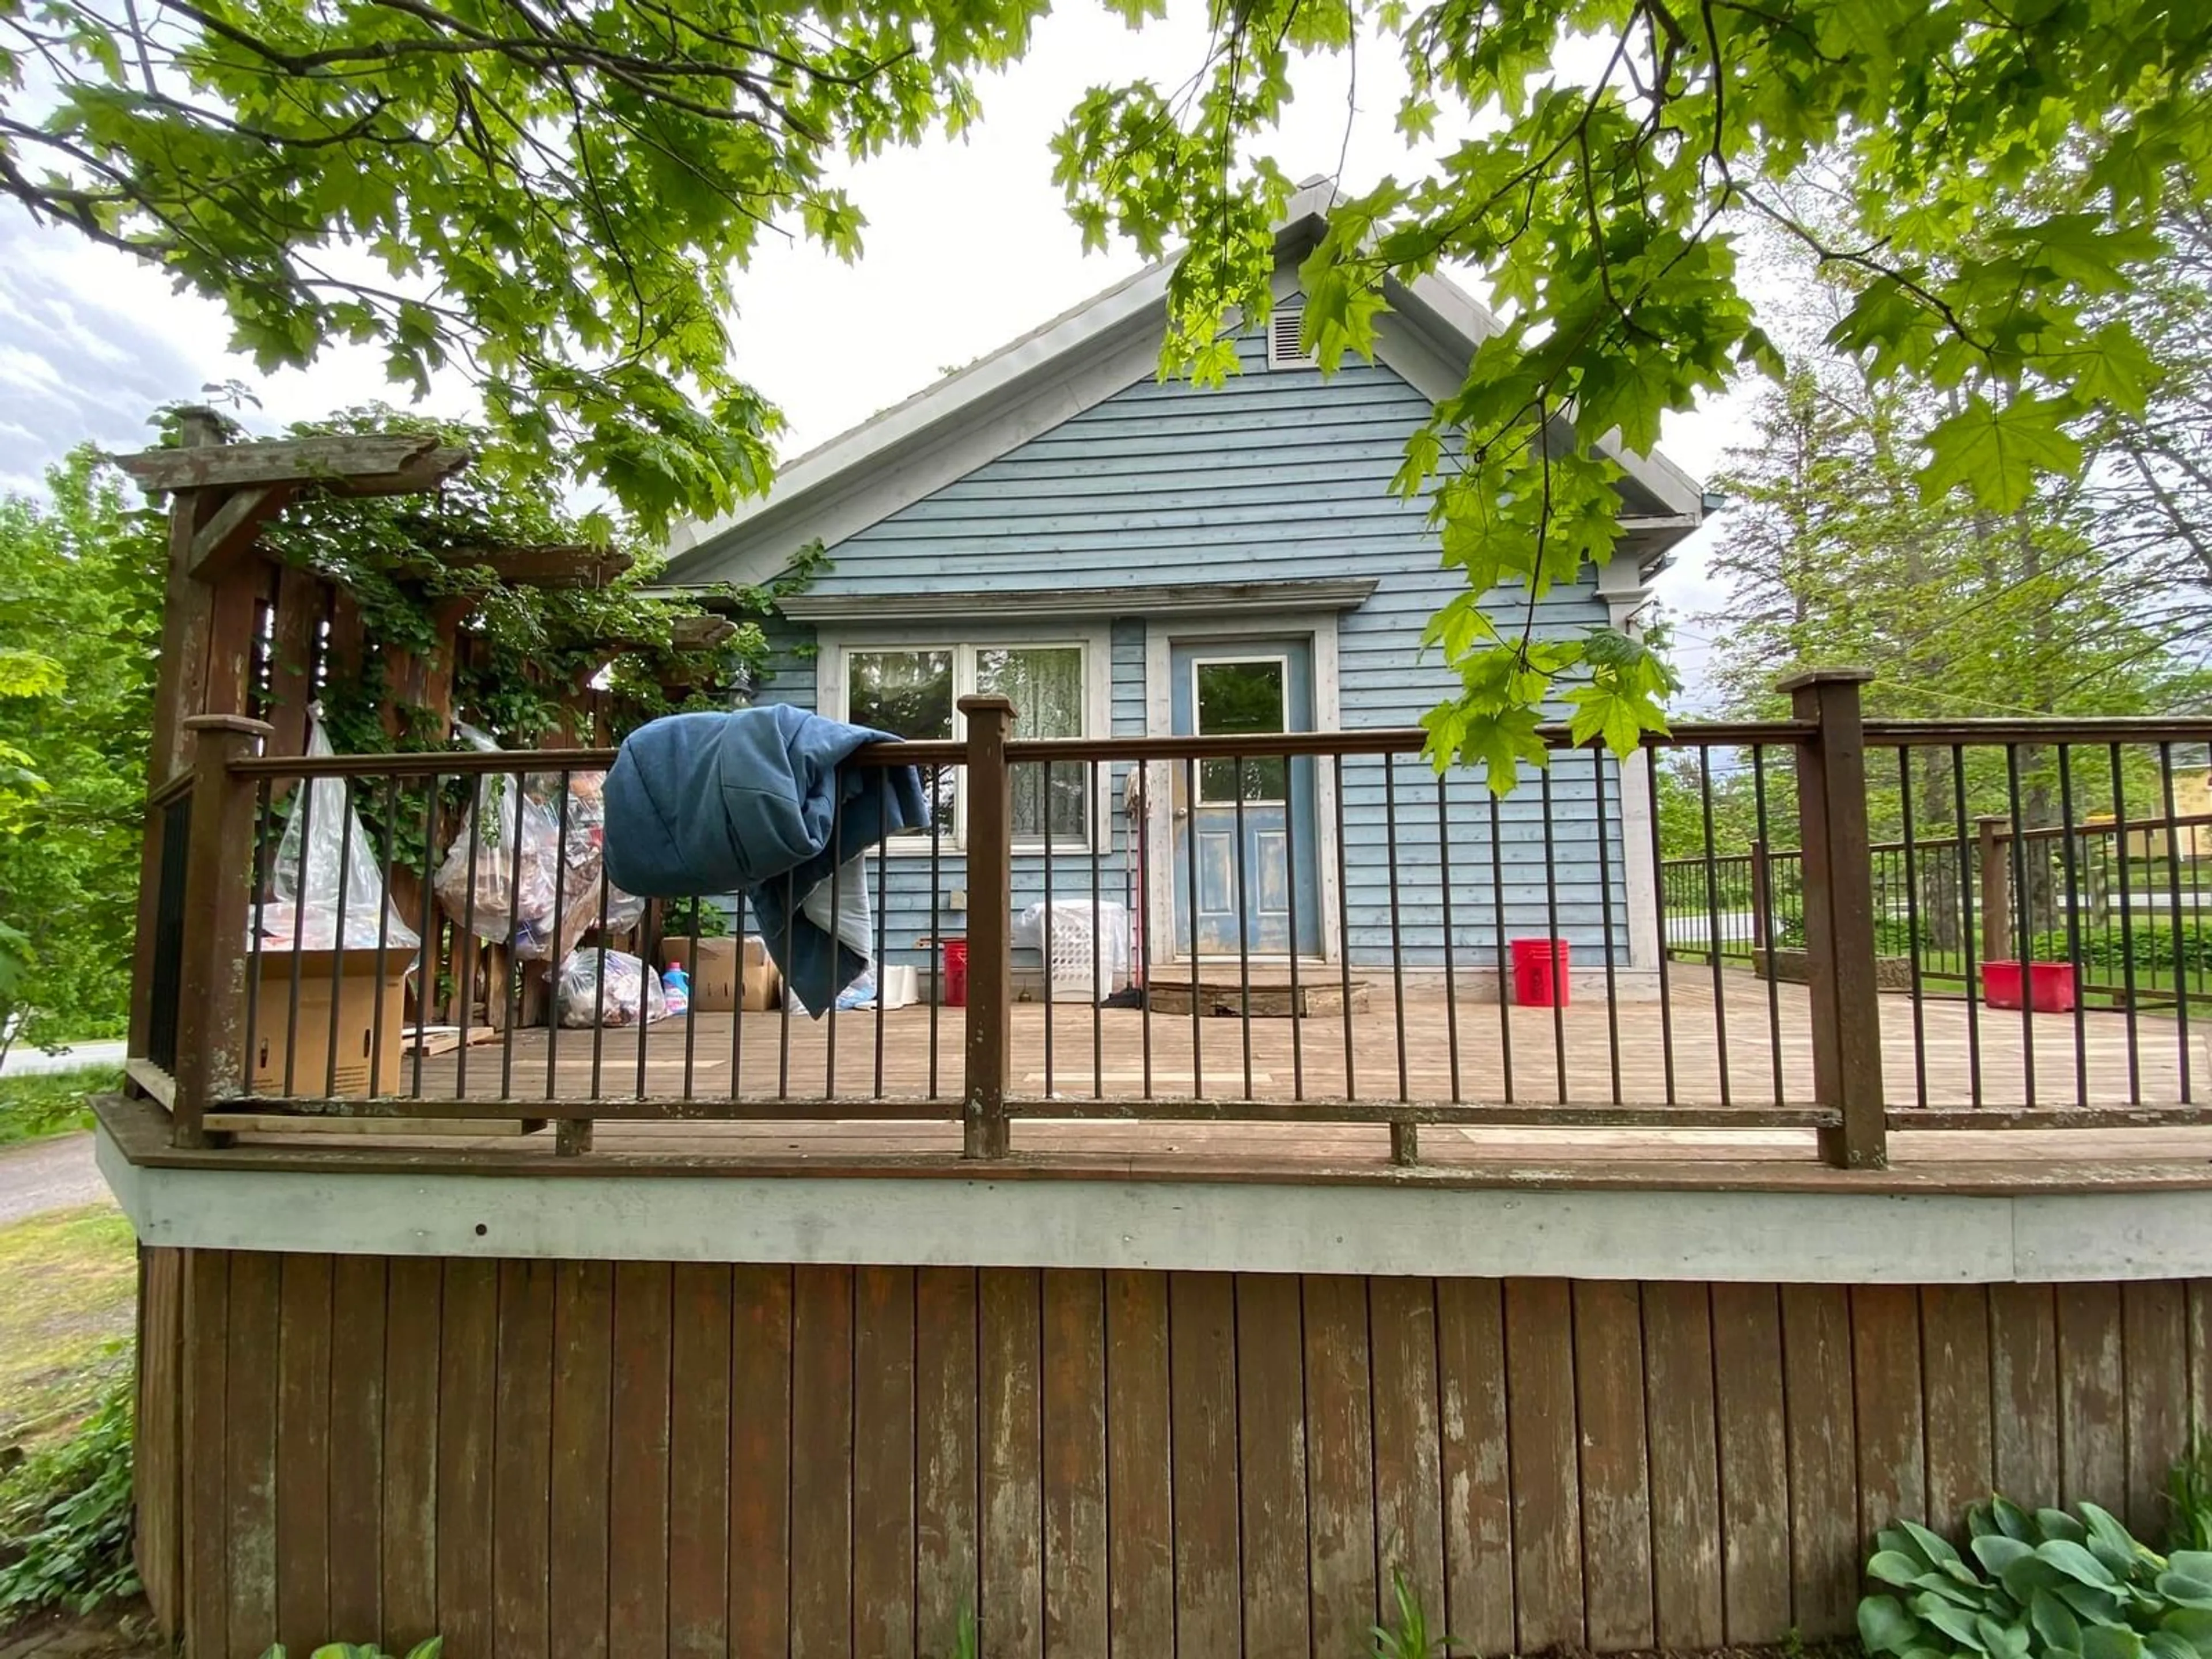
(1539,970)
(955,973)
(2050,985)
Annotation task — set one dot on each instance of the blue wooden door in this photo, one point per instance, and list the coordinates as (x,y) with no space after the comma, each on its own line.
(1249,828)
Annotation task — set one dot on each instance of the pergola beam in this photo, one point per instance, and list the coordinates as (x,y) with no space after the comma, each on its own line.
(358,464)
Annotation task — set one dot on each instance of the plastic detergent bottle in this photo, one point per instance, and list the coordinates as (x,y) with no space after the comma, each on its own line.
(676,987)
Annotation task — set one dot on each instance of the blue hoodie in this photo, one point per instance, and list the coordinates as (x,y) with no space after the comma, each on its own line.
(698,805)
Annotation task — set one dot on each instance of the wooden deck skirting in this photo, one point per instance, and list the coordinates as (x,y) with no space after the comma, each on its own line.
(546,1458)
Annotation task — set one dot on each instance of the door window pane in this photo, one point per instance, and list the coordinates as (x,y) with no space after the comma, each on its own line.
(909,693)
(1235,699)
(1045,685)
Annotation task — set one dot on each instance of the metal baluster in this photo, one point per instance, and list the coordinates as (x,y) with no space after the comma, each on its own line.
(1397,940)
(1444,891)
(737,926)
(883,919)
(465,947)
(1498,940)
(2127,926)
(1099,829)
(506,1002)
(1190,844)
(1552,938)
(337,937)
(836,938)
(599,979)
(304,809)
(783,1001)
(648,942)
(554,953)
(1145,909)
(2068,856)
(1291,872)
(1713,923)
(426,986)
(1666,998)
(1244,941)
(691,1008)
(263,810)
(2173,901)
(1046,936)
(1605,922)
(1966,940)
(936,915)
(1343,932)
(2024,920)
(1913,927)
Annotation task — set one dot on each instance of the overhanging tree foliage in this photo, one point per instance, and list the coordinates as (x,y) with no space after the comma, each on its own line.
(555,193)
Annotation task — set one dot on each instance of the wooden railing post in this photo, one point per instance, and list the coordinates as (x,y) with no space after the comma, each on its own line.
(211,982)
(1837,874)
(1994,831)
(990,1029)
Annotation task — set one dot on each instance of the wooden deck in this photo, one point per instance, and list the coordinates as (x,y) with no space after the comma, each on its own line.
(1933,1055)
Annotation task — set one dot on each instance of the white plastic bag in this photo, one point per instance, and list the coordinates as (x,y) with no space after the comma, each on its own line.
(853,926)
(579,882)
(302,912)
(512,904)
(578,995)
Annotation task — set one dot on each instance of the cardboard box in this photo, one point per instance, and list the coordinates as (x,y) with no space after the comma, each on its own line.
(715,973)
(368,1009)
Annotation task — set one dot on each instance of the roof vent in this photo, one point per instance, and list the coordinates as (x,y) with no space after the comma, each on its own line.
(1283,340)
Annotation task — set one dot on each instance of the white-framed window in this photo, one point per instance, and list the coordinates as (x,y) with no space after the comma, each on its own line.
(912,686)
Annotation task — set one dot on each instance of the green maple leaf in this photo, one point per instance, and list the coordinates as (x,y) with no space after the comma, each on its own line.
(1997,452)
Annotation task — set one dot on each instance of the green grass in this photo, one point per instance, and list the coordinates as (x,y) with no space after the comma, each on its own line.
(66,1318)
(32,1107)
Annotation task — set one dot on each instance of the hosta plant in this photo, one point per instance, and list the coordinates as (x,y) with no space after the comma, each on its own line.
(2044,1585)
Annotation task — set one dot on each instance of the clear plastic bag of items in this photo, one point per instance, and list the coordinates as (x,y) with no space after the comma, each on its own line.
(324,862)
(581,885)
(606,987)
(497,877)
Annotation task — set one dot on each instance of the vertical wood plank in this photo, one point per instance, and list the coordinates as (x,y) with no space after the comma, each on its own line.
(2154,1332)
(2200,1356)
(1955,1334)
(760,1461)
(1885,1377)
(637,1520)
(1140,1503)
(467,1399)
(1540,1395)
(883,1462)
(356,1523)
(1824,1507)
(251,1430)
(1013,1558)
(1409,1482)
(1616,1481)
(1477,1494)
(303,1451)
(821,1463)
(205,1449)
(583,1383)
(1754,1510)
(1340,1463)
(159,1402)
(1202,1398)
(415,1297)
(1686,1488)
(2091,1406)
(1075,1464)
(947,1472)
(699,1461)
(1271,1461)
(2024,1393)
(522,1461)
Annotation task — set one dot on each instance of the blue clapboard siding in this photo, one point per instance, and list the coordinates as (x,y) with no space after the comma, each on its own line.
(1279,475)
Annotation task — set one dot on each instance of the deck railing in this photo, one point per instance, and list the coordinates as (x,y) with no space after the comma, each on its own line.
(1359,910)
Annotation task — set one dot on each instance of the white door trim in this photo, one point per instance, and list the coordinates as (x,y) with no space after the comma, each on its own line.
(1161,637)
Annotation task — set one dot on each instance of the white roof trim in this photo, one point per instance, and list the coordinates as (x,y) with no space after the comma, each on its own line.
(1047,376)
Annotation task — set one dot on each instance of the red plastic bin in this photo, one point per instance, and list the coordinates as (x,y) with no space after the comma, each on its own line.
(2050,985)
(1541,968)
(955,973)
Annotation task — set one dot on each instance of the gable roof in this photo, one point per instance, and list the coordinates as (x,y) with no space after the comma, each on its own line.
(1079,359)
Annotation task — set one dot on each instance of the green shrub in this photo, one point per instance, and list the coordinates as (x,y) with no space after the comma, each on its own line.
(2040,1586)
(2189,1496)
(1410,1639)
(428,1650)
(65,1518)
(2150,940)
(50,1102)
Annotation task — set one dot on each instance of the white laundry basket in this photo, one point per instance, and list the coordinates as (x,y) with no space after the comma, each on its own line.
(1081,963)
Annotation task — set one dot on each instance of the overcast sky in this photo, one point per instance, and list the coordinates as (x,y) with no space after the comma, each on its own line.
(967,246)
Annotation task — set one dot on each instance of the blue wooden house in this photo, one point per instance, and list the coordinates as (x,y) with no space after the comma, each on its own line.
(1125,557)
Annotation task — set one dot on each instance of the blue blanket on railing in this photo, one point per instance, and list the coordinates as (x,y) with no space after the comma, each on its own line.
(701,804)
